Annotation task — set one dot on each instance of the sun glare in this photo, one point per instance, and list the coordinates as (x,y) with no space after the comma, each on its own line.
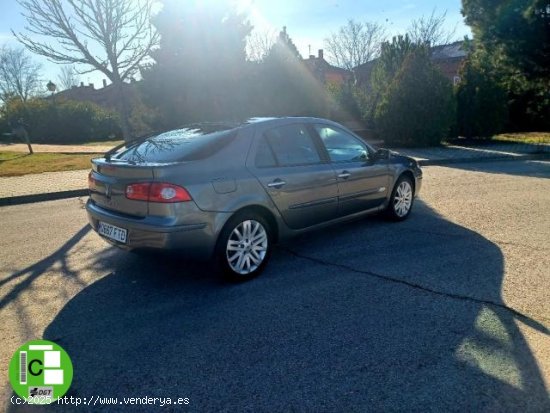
(257,18)
(244,5)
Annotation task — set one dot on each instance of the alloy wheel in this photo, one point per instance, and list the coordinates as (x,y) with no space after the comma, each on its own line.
(247,247)
(403,199)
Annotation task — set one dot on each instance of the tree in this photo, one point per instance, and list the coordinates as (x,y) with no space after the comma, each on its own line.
(258,44)
(284,47)
(355,43)
(418,107)
(344,100)
(515,37)
(68,77)
(200,72)
(19,80)
(284,86)
(481,100)
(392,56)
(431,30)
(111,36)
(519,27)
(19,75)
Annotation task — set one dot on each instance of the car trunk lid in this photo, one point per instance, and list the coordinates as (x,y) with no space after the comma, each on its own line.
(108,182)
(149,160)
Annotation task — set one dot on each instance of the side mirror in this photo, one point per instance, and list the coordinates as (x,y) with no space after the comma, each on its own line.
(382,153)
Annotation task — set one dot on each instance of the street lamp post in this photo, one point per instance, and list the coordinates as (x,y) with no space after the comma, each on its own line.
(51,87)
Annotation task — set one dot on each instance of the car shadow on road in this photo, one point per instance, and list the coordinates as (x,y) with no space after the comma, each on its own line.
(329,326)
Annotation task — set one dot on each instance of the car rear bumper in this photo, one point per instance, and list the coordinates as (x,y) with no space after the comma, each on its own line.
(195,240)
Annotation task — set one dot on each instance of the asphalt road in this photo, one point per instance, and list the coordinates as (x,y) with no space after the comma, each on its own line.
(447,311)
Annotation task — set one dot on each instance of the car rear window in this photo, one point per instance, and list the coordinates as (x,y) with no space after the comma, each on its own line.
(186,144)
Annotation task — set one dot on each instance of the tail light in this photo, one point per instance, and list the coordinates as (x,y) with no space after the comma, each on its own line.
(91,182)
(157,192)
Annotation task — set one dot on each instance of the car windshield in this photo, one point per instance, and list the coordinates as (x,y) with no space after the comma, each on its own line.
(186,144)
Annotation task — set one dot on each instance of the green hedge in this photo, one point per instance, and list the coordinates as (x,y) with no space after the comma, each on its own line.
(481,101)
(48,121)
(418,108)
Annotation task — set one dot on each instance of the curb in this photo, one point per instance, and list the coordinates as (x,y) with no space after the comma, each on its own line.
(51,196)
(48,196)
(443,162)
(78,153)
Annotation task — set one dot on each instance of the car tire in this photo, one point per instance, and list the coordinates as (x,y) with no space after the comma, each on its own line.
(244,246)
(401,200)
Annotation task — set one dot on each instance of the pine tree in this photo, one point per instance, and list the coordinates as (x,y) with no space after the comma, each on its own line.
(520,27)
(199,71)
(418,107)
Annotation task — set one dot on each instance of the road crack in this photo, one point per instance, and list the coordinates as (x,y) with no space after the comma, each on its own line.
(82,202)
(527,319)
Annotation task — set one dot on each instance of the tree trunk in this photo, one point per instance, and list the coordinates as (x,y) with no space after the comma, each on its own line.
(30,147)
(123,111)
(23,135)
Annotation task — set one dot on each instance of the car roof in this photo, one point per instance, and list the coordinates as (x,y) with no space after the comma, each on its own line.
(274,121)
(260,121)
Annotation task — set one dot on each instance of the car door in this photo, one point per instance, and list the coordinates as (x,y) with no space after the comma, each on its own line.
(362,181)
(288,162)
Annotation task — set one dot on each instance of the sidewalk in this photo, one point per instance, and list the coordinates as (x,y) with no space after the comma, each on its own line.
(57,185)
(459,154)
(47,182)
(37,148)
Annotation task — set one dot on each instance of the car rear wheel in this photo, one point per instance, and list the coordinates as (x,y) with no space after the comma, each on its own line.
(401,200)
(244,246)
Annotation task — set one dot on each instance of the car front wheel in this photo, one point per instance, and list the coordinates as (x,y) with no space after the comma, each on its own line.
(401,200)
(244,246)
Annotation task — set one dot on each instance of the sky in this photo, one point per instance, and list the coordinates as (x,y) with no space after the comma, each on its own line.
(308,22)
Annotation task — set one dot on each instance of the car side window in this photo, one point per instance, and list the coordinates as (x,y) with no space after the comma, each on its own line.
(291,145)
(341,146)
(264,155)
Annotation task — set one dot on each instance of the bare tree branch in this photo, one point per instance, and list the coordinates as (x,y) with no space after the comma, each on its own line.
(19,75)
(68,77)
(355,43)
(120,29)
(431,30)
(259,43)
(111,36)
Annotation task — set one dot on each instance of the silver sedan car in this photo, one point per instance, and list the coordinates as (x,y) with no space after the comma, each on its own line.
(230,191)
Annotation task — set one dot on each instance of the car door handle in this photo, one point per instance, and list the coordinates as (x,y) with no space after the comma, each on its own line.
(277,183)
(344,175)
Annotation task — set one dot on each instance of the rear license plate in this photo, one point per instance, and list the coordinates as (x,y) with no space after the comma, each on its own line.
(112,232)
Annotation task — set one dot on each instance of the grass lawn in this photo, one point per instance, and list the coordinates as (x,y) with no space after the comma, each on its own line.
(20,163)
(96,143)
(525,137)
(103,143)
